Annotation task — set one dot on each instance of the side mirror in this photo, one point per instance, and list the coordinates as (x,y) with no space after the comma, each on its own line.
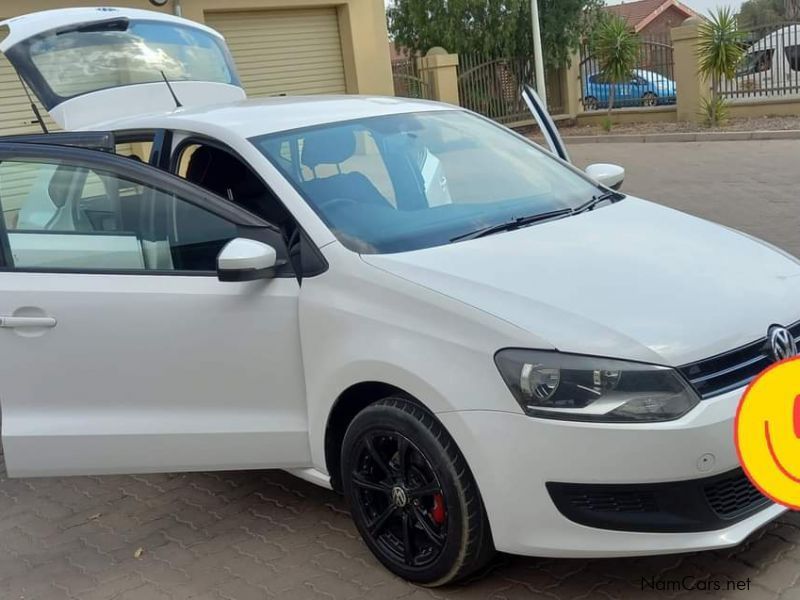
(611,176)
(246,260)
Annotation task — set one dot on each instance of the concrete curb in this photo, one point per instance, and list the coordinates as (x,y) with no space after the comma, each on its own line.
(703,136)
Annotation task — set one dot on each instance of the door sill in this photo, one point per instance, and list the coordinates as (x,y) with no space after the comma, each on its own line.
(312,476)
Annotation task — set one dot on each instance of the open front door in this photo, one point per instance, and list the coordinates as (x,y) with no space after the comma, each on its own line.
(545,122)
(89,66)
(122,350)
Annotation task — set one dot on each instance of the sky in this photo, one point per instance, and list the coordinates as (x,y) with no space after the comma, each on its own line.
(701,6)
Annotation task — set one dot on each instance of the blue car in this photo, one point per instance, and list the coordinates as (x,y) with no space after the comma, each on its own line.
(645,88)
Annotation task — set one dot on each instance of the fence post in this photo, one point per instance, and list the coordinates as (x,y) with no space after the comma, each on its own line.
(692,88)
(440,70)
(573,86)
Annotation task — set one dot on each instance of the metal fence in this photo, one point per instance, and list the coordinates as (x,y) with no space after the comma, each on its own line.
(492,86)
(770,66)
(652,82)
(408,81)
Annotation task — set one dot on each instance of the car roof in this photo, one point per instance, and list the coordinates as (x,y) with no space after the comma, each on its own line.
(769,42)
(262,116)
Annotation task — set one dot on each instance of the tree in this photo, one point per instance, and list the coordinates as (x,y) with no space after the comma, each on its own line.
(758,13)
(616,48)
(495,27)
(720,49)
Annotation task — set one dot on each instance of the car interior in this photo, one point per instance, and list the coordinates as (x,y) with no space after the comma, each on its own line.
(226,175)
(335,147)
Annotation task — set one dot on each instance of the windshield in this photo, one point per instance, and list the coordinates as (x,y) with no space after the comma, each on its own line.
(64,64)
(410,181)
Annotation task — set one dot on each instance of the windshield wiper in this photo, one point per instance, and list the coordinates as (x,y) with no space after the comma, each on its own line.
(514,224)
(609,196)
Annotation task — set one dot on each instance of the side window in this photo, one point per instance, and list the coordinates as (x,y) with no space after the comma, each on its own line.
(793,56)
(138,151)
(229,177)
(66,217)
(759,61)
(765,61)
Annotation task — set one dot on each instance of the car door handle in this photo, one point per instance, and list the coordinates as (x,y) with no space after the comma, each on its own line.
(18,322)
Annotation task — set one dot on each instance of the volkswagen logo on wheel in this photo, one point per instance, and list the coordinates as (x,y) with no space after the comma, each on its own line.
(399,497)
(781,343)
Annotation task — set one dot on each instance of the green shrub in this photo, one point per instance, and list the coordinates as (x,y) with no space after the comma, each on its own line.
(714,111)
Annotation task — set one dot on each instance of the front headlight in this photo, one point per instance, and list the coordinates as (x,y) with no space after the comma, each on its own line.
(585,388)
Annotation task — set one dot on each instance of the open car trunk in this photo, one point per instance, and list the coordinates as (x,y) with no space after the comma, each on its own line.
(89,66)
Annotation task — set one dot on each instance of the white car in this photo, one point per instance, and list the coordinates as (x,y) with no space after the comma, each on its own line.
(771,65)
(481,346)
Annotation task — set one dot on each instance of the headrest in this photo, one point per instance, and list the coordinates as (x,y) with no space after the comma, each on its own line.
(199,165)
(330,147)
(62,185)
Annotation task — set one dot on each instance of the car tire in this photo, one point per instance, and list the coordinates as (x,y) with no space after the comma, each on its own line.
(649,99)
(590,103)
(412,495)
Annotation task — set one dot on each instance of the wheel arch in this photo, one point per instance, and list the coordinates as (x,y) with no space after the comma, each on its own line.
(347,405)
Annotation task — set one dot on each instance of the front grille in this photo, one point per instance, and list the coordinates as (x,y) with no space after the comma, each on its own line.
(733,495)
(614,501)
(731,370)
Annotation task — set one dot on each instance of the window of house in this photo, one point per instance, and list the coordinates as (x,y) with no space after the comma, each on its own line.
(66,217)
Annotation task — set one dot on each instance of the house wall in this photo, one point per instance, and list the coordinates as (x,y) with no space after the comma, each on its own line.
(362,25)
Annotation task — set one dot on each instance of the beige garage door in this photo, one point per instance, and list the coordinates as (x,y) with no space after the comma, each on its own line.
(285,51)
(16,115)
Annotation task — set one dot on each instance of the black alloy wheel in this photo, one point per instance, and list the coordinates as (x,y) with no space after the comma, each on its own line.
(414,501)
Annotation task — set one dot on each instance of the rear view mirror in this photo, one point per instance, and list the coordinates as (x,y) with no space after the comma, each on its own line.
(611,176)
(246,260)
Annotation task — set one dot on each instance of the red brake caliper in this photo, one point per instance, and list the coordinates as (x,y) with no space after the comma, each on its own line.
(437,512)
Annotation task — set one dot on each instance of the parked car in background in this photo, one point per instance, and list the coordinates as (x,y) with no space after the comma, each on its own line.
(772,64)
(645,88)
(482,346)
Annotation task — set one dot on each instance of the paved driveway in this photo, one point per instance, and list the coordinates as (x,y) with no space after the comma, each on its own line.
(257,535)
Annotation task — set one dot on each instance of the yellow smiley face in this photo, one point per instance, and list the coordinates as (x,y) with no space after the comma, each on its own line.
(767,432)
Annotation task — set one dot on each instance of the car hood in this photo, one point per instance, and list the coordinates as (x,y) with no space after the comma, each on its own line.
(631,280)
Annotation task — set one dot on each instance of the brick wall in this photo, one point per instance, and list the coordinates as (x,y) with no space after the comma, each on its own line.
(662,25)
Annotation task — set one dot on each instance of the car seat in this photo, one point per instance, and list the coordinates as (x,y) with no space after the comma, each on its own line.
(334,147)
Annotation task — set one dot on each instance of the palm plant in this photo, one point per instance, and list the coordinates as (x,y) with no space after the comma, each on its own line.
(616,48)
(720,49)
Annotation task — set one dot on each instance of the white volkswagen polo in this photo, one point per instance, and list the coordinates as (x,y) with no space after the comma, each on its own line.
(481,346)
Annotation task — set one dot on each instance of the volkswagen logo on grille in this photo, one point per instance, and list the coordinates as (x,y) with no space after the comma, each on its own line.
(781,343)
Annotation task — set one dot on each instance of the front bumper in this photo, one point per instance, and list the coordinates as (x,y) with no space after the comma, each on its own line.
(513,458)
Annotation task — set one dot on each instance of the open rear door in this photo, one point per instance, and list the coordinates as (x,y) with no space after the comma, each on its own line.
(89,66)
(545,122)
